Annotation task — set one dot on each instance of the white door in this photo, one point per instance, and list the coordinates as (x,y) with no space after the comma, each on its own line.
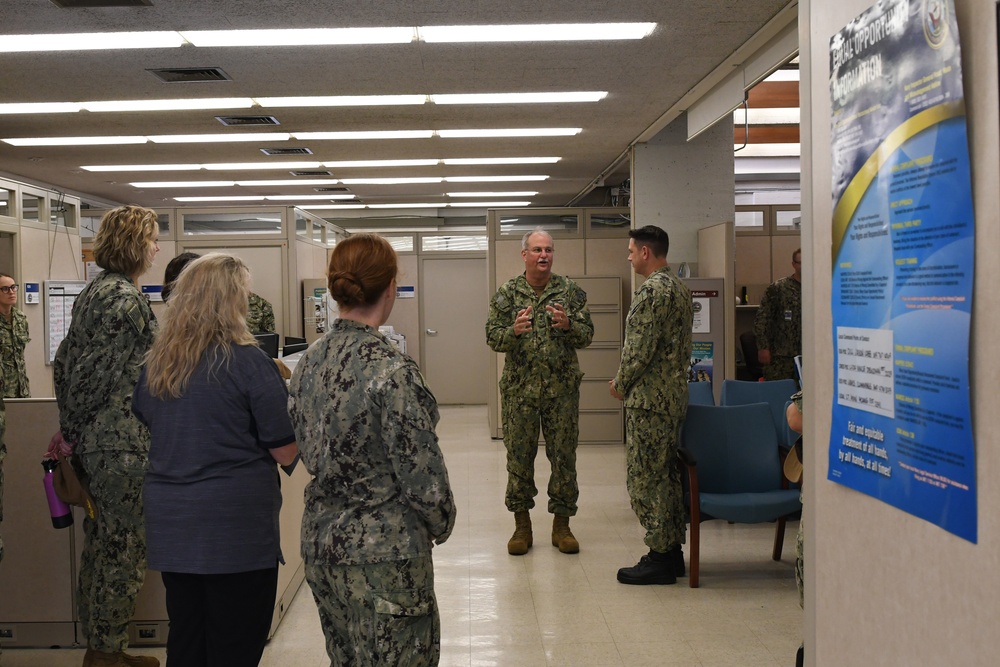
(453,339)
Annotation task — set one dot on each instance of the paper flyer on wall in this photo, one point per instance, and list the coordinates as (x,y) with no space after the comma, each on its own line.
(903,258)
(702,361)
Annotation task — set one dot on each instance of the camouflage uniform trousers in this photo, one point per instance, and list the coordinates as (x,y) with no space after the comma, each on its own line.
(653,476)
(559,420)
(781,368)
(113,562)
(379,613)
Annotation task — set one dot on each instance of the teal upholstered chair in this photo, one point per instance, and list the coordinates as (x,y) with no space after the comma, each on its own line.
(733,469)
(700,393)
(773,392)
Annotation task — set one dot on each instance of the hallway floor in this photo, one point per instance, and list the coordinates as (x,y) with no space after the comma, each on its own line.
(547,608)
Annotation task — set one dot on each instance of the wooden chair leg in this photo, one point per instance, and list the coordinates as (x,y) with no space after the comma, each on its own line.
(779,539)
(695,549)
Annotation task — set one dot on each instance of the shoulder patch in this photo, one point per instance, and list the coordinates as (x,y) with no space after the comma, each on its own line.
(135,318)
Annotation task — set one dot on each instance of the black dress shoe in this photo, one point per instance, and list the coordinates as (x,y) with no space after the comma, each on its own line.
(653,568)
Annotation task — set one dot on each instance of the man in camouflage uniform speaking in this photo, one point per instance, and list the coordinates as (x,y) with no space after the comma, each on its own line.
(652,381)
(539,320)
(778,325)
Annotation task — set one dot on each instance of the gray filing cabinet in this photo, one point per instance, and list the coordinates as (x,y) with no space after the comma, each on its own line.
(601,415)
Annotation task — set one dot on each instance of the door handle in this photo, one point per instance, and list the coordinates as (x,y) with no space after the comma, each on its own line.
(430,332)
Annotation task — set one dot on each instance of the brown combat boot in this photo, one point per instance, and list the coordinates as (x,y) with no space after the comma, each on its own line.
(520,541)
(94,658)
(562,537)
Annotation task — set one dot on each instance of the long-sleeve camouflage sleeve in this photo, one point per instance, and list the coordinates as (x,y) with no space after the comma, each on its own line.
(408,419)
(657,350)
(98,363)
(542,361)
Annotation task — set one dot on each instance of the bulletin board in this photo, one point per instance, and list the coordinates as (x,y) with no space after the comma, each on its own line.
(60,295)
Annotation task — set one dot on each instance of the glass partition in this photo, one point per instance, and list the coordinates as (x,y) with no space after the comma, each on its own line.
(750,220)
(231,223)
(62,213)
(7,202)
(453,243)
(608,222)
(31,206)
(787,220)
(516,223)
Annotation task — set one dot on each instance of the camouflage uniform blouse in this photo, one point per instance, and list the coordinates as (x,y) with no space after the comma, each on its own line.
(657,351)
(13,338)
(260,315)
(364,422)
(541,362)
(98,363)
(778,324)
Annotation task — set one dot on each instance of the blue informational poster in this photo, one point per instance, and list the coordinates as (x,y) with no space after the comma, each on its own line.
(903,234)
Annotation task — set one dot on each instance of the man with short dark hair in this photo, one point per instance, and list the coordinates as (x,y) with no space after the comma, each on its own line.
(652,382)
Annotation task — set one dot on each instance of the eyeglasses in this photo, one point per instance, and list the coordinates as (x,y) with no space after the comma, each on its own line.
(9,289)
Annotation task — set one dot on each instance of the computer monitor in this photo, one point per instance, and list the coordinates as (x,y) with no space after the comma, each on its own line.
(268,343)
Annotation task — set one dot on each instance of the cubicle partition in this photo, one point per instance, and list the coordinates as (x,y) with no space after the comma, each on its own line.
(39,570)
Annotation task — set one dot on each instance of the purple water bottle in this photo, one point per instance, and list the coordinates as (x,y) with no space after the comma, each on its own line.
(62,517)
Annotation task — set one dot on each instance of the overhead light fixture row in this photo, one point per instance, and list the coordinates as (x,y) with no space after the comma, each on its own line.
(406,180)
(338,164)
(555,32)
(216,103)
(376,135)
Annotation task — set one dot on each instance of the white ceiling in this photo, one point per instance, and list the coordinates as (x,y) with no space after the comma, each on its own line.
(643,78)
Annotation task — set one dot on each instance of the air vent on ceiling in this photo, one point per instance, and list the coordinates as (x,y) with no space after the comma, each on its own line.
(247,120)
(79,4)
(310,172)
(331,189)
(189,74)
(286,151)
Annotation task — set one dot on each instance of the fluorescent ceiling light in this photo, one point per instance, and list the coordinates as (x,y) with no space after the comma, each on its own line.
(343,101)
(299,37)
(141,167)
(493,179)
(783,75)
(488,204)
(408,205)
(333,207)
(768,150)
(183,184)
(223,166)
(389,181)
(384,134)
(357,164)
(288,181)
(170,105)
(327,197)
(524,193)
(769,116)
(221,138)
(233,198)
(520,98)
(39,107)
(75,141)
(554,32)
(522,132)
(501,160)
(90,41)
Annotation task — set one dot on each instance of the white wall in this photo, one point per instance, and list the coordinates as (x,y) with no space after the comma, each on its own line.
(883,587)
(684,186)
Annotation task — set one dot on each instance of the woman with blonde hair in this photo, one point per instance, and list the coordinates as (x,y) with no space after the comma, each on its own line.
(216,410)
(379,498)
(95,370)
